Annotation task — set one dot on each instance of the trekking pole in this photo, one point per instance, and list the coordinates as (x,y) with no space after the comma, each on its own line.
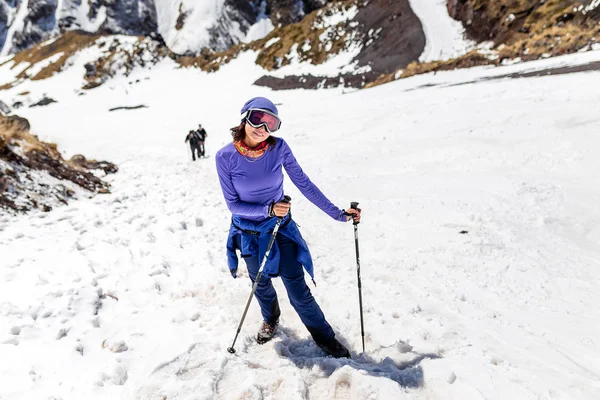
(354,205)
(231,349)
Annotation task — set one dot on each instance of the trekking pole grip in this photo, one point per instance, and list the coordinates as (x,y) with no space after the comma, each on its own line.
(354,205)
(286,199)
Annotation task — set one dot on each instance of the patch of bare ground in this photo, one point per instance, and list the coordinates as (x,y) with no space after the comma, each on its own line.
(117,59)
(24,160)
(388,33)
(301,37)
(65,46)
(521,30)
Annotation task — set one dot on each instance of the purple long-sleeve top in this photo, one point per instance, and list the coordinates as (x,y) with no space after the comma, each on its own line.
(250,185)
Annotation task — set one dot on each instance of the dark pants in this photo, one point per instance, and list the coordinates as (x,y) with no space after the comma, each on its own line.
(196,149)
(292,275)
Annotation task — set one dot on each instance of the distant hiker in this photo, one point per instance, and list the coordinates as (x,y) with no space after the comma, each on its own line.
(250,171)
(202,137)
(194,140)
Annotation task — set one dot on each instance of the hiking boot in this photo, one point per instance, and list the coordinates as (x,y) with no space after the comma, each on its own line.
(266,332)
(335,349)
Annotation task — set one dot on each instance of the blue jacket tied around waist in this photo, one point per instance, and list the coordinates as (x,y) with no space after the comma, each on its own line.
(255,238)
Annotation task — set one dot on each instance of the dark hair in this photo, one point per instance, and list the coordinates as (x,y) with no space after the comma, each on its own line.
(239,133)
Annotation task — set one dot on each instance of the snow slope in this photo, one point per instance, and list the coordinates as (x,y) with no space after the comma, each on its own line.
(128,295)
(444,36)
(194,35)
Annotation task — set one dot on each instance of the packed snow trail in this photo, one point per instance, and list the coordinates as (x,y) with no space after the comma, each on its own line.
(480,246)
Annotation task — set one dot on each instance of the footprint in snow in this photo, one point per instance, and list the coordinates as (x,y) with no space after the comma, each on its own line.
(342,387)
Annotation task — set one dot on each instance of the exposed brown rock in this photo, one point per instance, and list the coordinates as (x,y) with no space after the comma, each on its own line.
(529,28)
(397,37)
(22,153)
(3,183)
(68,44)
(524,29)
(103,68)
(314,82)
(81,161)
(388,30)
(285,12)
(469,60)
(43,102)
(181,17)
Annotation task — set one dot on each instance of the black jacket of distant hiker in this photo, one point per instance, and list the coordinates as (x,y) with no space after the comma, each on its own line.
(196,144)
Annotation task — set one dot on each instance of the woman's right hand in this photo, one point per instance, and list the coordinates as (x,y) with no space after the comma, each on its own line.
(354,214)
(281,209)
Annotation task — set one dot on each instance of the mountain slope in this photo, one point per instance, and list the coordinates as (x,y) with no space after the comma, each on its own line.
(34,175)
(346,43)
(529,29)
(342,43)
(33,21)
(186,26)
(479,242)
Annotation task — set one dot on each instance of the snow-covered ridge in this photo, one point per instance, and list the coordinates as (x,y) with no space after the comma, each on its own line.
(187,26)
(94,59)
(318,57)
(338,44)
(328,47)
(34,21)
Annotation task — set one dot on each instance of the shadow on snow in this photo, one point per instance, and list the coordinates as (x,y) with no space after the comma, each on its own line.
(305,353)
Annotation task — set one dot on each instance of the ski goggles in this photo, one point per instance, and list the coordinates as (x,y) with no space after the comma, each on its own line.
(257,118)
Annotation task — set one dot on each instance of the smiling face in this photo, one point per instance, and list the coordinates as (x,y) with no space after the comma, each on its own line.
(255,136)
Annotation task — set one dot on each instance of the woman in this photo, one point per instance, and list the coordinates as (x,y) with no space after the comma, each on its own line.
(251,177)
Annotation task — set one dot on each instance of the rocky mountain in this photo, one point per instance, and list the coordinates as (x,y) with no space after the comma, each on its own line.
(34,175)
(24,23)
(509,32)
(529,29)
(374,38)
(380,40)
(186,26)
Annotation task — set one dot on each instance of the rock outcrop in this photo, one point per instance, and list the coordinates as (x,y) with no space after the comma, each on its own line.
(34,175)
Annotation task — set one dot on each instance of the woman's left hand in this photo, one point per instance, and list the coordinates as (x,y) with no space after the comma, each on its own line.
(354,214)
